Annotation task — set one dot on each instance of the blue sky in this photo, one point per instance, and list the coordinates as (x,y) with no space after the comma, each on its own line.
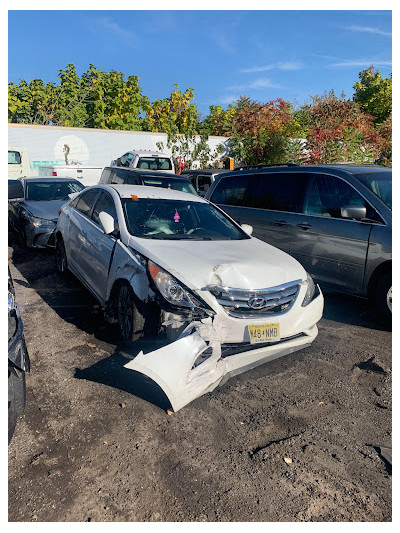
(221,54)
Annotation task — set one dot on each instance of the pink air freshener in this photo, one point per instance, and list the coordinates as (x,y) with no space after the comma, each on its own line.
(176,216)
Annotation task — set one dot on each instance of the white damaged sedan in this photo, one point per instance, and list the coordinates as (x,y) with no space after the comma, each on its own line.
(165,260)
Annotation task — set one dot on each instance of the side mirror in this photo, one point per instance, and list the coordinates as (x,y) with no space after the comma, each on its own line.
(107,221)
(15,190)
(247,228)
(357,212)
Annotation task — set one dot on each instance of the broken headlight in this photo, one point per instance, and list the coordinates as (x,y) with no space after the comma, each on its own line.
(173,290)
(36,221)
(310,291)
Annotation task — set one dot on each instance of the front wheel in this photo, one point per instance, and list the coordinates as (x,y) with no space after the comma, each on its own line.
(61,257)
(383,298)
(130,320)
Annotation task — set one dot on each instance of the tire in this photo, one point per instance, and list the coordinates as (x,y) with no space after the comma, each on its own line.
(61,257)
(383,298)
(16,397)
(130,321)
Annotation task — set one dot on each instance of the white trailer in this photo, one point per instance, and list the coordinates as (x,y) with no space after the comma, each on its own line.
(56,145)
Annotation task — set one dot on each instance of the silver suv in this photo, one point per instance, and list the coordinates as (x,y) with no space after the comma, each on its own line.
(336,220)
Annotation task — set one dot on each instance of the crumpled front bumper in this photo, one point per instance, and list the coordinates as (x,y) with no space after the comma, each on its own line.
(41,236)
(209,352)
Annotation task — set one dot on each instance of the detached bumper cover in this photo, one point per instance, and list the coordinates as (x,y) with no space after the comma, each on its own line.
(207,353)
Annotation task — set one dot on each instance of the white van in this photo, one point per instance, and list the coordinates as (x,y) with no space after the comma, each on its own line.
(86,175)
(18,163)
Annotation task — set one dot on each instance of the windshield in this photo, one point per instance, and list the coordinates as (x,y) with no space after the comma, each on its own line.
(380,183)
(154,163)
(151,218)
(170,183)
(46,191)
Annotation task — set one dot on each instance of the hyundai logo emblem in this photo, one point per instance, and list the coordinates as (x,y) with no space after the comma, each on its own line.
(257,302)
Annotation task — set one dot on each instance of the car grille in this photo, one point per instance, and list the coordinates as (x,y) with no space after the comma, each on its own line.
(243,303)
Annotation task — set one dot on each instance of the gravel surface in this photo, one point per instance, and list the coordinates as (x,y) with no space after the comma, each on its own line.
(297,439)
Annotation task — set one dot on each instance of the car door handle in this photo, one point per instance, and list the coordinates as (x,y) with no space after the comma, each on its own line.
(304,225)
(280,222)
(84,234)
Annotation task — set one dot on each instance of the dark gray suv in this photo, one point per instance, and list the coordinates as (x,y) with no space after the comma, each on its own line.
(336,220)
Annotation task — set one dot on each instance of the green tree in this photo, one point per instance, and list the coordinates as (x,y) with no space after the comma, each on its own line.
(172,115)
(374,94)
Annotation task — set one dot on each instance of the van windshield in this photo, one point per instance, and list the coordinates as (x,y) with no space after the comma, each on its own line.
(154,163)
(150,218)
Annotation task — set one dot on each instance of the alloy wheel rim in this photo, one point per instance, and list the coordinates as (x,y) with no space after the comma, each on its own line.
(60,255)
(125,312)
(389,299)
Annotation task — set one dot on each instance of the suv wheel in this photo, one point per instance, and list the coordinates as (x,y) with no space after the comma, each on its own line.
(130,320)
(383,298)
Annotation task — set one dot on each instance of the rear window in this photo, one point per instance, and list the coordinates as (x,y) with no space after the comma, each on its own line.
(14,157)
(154,163)
(170,183)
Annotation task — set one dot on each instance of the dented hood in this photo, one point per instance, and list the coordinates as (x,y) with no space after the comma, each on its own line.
(243,264)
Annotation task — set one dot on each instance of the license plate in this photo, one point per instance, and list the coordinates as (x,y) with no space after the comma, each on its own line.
(264,333)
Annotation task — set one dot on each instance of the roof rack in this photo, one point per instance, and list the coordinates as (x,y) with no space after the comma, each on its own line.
(245,167)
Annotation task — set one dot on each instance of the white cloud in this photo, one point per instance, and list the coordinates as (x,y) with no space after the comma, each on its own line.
(256,69)
(284,65)
(256,84)
(361,63)
(107,25)
(369,29)
(290,65)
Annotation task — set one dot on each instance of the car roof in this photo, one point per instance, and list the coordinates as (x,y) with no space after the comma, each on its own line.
(150,173)
(204,171)
(37,179)
(349,168)
(147,152)
(145,191)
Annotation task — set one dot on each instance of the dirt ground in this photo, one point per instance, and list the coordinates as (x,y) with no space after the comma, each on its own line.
(297,439)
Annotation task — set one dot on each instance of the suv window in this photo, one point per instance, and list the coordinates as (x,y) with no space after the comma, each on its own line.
(204,182)
(279,191)
(104,203)
(86,201)
(328,194)
(232,191)
(124,177)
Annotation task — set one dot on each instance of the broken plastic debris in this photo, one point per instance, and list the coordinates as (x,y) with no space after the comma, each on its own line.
(288,460)
(169,412)
(91,345)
